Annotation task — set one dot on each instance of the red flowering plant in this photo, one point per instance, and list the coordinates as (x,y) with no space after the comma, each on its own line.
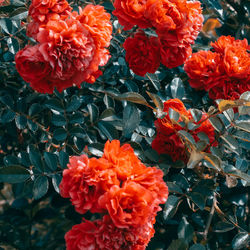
(176,24)
(169,139)
(70,48)
(224,72)
(120,187)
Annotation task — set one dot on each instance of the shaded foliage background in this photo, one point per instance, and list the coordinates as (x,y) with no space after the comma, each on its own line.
(207,207)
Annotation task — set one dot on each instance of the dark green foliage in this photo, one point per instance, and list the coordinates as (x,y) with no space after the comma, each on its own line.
(207,205)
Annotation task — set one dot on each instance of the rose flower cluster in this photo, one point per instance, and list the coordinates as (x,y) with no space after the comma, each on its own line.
(122,189)
(70,46)
(167,141)
(224,71)
(176,24)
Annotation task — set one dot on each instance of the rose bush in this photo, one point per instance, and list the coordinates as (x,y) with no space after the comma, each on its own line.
(134,160)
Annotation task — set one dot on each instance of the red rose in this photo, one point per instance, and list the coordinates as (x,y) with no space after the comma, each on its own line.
(167,141)
(82,236)
(123,159)
(230,90)
(130,13)
(237,62)
(104,235)
(225,41)
(225,72)
(97,21)
(163,14)
(152,179)
(170,145)
(31,64)
(142,53)
(85,181)
(112,237)
(130,205)
(41,11)
(173,57)
(205,70)
(179,22)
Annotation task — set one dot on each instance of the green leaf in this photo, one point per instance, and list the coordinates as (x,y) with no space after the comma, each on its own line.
(54,104)
(60,134)
(78,132)
(229,114)
(131,119)
(132,97)
(74,104)
(240,241)
(10,160)
(19,14)
(7,100)
(231,142)
(56,180)
(93,112)
(198,199)
(186,136)
(14,174)
(13,45)
(171,207)
(173,115)
(41,186)
(76,118)
(242,125)
(203,137)
(63,159)
(174,188)
(96,149)
(7,25)
(35,158)
(185,230)
(51,160)
(58,120)
(108,101)
(242,135)
(216,123)
(177,88)
(196,114)
(21,121)
(108,130)
(34,109)
(7,116)
(107,115)
(178,244)
(131,86)
(222,227)
(32,126)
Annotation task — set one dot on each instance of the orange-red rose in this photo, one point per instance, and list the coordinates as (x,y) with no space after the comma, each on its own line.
(224,71)
(104,235)
(142,53)
(130,13)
